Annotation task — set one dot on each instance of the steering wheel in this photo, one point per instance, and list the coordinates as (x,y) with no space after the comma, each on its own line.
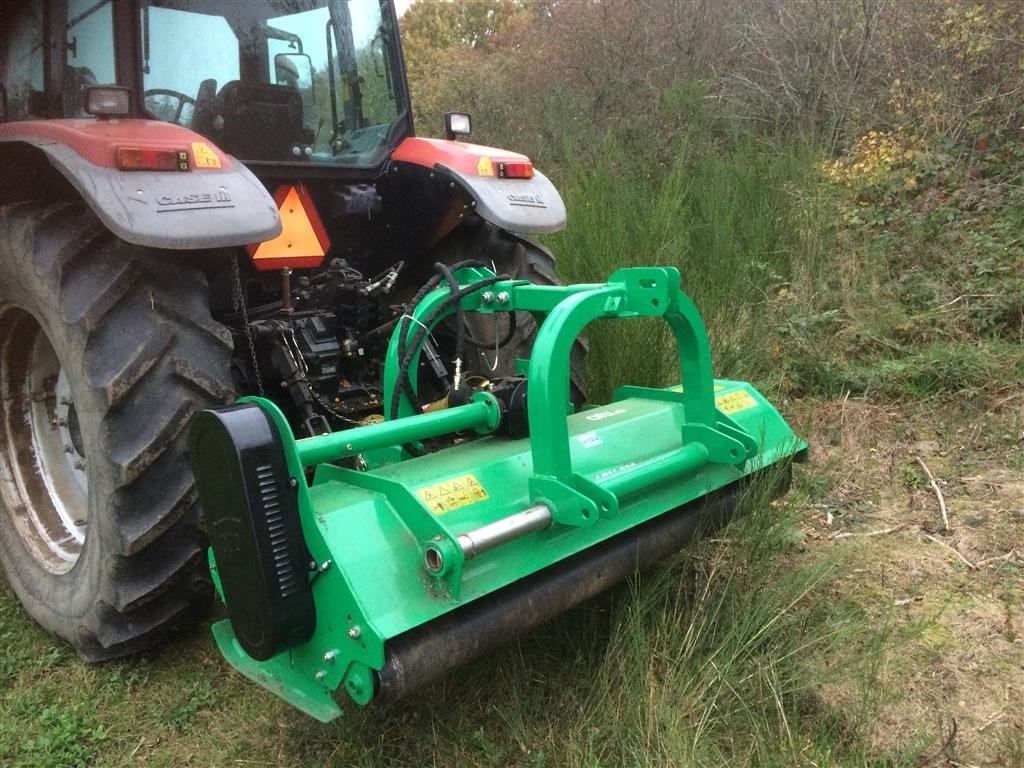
(183,99)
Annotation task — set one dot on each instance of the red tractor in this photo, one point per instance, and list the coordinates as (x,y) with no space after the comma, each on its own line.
(199,200)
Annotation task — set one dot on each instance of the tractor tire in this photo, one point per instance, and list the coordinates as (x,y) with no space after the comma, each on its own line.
(106,351)
(521,259)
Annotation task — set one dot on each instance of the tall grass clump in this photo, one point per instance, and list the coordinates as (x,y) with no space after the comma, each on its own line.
(721,204)
(717,658)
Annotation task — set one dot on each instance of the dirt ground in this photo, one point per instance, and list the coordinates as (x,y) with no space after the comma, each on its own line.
(952,599)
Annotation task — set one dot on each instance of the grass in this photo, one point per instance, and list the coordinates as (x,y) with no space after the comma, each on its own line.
(724,214)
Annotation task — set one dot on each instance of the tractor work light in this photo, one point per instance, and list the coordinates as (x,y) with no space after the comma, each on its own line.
(139,159)
(456,124)
(107,100)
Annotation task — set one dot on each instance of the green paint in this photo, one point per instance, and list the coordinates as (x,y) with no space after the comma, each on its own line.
(600,471)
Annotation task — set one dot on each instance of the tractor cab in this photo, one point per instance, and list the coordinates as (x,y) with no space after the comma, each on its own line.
(272,81)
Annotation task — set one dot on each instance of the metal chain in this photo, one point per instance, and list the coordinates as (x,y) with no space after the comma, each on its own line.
(238,303)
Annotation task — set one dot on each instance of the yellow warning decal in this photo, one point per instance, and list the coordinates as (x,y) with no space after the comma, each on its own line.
(204,155)
(734,402)
(452,494)
(485,167)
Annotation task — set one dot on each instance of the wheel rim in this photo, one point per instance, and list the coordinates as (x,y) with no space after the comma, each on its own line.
(43,473)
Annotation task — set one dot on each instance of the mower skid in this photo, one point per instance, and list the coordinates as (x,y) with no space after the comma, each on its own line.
(418,564)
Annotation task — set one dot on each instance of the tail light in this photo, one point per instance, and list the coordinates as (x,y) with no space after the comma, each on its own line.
(137,159)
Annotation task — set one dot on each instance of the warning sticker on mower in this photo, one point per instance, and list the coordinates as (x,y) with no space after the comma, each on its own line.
(734,402)
(452,494)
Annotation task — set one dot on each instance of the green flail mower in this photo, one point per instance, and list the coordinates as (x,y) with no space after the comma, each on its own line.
(373,560)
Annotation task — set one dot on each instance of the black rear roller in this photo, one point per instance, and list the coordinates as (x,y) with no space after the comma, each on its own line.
(439,646)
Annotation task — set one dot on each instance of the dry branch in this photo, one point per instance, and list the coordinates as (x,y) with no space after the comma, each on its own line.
(882,532)
(938,493)
(988,560)
(952,549)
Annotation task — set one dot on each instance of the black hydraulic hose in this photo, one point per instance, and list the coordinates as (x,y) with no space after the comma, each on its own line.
(420,334)
(460,329)
(401,382)
(407,351)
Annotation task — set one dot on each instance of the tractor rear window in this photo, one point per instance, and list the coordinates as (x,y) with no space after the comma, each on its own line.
(21,62)
(307,81)
(90,52)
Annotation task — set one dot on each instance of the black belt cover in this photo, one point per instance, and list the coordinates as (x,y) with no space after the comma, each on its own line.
(251,514)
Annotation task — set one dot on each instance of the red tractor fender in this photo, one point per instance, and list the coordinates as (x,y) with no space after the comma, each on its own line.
(208,200)
(529,205)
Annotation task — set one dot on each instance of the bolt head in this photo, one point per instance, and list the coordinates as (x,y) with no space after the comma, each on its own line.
(355,632)
(503,297)
(320,675)
(487,297)
(330,656)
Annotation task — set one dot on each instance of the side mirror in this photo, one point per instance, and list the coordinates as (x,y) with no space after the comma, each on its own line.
(456,124)
(296,71)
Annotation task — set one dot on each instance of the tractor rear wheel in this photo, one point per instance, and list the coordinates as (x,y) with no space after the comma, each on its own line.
(521,259)
(106,351)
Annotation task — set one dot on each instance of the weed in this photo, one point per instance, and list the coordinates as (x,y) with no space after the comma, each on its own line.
(197,696)
(38,734)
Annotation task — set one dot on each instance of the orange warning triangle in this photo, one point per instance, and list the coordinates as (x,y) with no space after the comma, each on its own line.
(302,242)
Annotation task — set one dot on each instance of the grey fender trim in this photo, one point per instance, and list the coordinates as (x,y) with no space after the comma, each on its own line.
(171,209)
(529,206)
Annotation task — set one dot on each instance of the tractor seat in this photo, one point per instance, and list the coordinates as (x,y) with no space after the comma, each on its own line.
(258,121)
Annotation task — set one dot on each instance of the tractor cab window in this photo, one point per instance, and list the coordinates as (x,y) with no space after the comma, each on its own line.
(90,52)
(306,81)
(21,62)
